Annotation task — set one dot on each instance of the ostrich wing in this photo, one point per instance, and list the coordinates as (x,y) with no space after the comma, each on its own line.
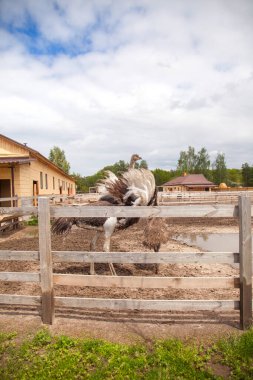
(105,183)
(62,226)
(140,184)
(131,185)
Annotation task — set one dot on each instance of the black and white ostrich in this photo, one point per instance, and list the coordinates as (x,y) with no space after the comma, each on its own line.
(135,187)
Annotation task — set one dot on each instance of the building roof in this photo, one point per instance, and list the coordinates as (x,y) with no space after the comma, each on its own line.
(32,154)
(16,160)
(192,180)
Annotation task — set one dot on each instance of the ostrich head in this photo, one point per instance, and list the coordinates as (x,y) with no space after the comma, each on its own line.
(135,157)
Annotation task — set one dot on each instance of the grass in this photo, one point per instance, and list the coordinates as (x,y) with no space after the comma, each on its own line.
(60,357)
(33,221)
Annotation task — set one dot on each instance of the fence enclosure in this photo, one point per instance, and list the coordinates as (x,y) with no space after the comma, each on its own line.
(229,196)
(47,257)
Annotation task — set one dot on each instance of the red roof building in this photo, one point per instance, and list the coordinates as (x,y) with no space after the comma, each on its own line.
(190,182)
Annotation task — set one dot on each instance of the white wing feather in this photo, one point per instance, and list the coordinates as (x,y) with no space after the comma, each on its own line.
(140,184)
(104,183)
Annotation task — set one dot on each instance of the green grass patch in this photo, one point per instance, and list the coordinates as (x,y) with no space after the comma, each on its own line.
(33,221)
(236,352)
(60,357)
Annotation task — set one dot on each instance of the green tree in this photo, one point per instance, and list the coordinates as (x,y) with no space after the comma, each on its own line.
(191,162)
(117,168)
(80,181)
(247,175)
(142,165)
(234,177)
(57,156)
(219,169)
(187,161)
(202,162)
(162,176)
(91,181)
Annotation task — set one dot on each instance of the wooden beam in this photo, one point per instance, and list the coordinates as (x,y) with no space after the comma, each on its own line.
(19,276)
(46,264)
(146,257)
(12,186)
(245,249)
(195,211)
(126,257)
(140,304)
(7,255)
(10,299)
(16,212)
(144,282)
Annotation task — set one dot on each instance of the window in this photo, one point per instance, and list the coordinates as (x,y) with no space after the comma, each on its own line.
(53,183)
(59,183)
(41,180)
(46,182)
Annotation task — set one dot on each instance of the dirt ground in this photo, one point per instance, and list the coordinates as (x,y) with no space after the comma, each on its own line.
(123,326)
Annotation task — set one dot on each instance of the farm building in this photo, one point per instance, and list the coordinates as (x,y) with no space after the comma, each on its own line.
(190,182)
(25,172)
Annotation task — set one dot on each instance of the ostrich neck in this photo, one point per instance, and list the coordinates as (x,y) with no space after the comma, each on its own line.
(132,164)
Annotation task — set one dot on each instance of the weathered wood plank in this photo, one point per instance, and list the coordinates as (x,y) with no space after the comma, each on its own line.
(6,255)
(146,257)
(145,211)
(19,276)
(46,263)
(138,304)
(245,249)
(18,211)
(126,257)
(144,282)
(10,299)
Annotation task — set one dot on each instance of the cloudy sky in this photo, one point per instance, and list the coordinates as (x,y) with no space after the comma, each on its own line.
(103,79)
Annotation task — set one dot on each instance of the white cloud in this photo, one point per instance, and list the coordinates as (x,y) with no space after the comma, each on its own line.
(155,78)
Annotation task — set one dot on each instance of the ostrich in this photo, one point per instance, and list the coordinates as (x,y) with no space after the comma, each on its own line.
(155,234)
(134,187)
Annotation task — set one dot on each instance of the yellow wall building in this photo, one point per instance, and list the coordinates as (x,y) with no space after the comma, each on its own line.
(24,172)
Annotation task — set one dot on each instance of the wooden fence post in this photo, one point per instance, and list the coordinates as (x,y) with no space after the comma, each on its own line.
(245,249)
(46,264)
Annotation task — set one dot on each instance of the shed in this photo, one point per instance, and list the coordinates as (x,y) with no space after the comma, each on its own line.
(188,182)
(25,172)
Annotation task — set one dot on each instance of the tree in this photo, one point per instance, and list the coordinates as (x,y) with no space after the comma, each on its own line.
(80,181)
(187,161)
(234,177)
(162,176)
(191,162)
(219,169)
(202,162)
(247,175)
(117,168)
(143,164)
(57,156)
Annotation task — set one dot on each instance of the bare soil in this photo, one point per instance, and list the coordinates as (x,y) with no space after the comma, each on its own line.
(123,326)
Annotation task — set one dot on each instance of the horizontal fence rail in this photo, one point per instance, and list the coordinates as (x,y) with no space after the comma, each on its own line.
(46,257)
(202,196)
(193,211)
(127,257)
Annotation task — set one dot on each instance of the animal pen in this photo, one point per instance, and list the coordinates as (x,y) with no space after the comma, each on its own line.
(46,257)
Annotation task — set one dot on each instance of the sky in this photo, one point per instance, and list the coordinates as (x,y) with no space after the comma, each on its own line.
(103,79)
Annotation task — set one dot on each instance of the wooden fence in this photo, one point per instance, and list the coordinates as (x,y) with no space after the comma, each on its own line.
(201,197)
(47,279)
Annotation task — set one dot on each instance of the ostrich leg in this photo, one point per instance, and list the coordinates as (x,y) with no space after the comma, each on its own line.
(93,245)
(109,227)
